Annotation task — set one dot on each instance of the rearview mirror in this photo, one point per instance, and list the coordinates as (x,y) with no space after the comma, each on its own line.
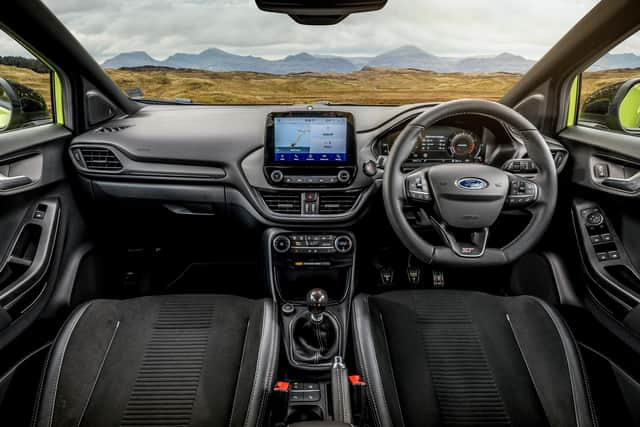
(616,106)
(319,12)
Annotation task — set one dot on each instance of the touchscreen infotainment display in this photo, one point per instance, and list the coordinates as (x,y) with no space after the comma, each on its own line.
(310,139)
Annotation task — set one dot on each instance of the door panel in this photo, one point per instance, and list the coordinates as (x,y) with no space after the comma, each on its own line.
(34,215)
(28,257)
(606,215)
(606,225)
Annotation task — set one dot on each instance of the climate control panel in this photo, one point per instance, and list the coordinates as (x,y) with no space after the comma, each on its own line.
(312,244)
(309,176)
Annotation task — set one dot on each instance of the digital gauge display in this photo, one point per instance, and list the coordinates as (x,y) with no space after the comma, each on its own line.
(463,144)
(441,144)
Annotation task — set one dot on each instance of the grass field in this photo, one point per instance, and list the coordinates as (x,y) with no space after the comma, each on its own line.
(368,86)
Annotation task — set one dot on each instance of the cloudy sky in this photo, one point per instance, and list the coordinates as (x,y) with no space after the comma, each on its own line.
(442,27)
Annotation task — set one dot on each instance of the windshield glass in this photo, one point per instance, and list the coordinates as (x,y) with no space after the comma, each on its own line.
(230,52)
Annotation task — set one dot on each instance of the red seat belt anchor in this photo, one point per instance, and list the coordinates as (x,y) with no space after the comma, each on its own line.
(356,380)
(281,386)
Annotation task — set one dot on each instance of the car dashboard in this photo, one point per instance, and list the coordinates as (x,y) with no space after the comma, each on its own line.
(194,160)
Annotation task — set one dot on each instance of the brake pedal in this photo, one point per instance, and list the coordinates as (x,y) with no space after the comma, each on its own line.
(414,272)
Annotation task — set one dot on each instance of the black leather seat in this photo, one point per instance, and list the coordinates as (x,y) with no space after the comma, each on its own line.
(197,360)
(456,358)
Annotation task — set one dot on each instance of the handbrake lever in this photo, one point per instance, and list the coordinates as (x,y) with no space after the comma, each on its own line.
(340,392)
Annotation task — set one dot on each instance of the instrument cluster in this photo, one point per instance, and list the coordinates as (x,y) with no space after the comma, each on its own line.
(437,144)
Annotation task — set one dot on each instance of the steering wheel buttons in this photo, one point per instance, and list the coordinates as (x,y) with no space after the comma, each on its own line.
(419,195)
(417,189)
(522,192)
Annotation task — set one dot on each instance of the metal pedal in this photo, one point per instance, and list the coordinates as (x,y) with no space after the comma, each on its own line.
(386,276)
(438,279)
(414,272)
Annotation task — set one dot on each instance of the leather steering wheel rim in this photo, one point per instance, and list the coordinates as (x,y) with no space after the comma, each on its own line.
(542,210)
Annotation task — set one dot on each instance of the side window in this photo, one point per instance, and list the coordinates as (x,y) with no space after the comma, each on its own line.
(25,87)
(609,95)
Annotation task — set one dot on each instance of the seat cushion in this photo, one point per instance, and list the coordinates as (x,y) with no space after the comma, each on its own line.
(439,357)
(191,360)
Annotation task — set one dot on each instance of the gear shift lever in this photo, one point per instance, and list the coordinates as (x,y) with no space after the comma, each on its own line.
(317,300)
(315,338)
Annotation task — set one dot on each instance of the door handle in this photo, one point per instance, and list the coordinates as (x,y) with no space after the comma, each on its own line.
(12,182)
(30,253)
(631,184)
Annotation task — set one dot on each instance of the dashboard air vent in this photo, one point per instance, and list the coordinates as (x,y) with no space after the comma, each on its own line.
(559,156)
(283,203)
(98,158)
(337,203)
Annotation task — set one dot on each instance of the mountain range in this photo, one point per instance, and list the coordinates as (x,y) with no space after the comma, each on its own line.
(403,57)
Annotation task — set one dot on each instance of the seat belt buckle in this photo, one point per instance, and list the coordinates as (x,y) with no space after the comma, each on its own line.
(359,393)
(279,402)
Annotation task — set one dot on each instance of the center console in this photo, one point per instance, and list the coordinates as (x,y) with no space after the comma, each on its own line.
(309,160)
(311,275)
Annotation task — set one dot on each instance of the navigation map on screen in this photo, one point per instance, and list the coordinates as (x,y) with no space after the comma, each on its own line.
(310,139)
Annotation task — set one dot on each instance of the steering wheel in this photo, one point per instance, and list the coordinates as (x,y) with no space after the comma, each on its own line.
(462,200)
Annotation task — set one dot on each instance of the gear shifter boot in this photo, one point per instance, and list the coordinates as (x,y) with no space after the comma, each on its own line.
(316,332)
(313,341)
(315,336)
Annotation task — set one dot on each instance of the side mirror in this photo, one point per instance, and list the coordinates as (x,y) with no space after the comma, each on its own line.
(628,110)
(9,105)
(20,106)
(616,106)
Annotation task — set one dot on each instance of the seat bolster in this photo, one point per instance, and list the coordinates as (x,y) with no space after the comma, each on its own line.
(265,367)
(584,408)
(46,397)
(367,357)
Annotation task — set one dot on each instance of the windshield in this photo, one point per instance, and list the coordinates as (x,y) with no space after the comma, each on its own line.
(230,52)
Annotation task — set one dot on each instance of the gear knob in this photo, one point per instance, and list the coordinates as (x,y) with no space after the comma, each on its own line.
(317,300)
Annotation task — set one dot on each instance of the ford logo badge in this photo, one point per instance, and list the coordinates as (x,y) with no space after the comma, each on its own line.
(472,183)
